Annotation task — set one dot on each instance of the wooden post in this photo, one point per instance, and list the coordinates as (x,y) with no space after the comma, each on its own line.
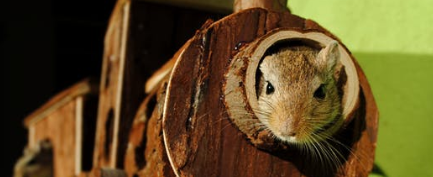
(276,5)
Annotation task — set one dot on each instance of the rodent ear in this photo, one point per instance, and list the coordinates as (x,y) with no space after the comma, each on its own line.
(329,56)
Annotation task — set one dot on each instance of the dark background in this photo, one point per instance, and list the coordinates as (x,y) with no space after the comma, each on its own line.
(46,46)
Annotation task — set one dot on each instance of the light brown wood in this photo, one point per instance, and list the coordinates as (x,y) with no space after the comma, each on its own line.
(59,128)
(60,100)
(61,121)
(162,73)
(79,111)
(112,86)
(275,5)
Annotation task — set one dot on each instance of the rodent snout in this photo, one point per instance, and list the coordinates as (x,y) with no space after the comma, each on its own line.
(287,129)
(288,133)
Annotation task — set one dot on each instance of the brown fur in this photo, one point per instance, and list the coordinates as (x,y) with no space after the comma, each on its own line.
(291,112)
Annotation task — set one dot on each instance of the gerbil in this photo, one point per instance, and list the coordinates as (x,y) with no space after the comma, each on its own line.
(298,99)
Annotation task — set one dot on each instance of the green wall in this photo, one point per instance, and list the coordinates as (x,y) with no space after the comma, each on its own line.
(393,42)
(374,25)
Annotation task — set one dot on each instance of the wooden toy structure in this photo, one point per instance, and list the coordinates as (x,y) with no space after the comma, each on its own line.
(180,123)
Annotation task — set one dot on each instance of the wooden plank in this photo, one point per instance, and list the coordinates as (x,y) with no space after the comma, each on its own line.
(78,135)
(59,128)
(111,87)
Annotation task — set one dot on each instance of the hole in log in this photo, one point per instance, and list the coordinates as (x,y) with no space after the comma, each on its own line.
(139,150)
(139,154)
(242,100)
(150,106)
(109,127)
(290,43)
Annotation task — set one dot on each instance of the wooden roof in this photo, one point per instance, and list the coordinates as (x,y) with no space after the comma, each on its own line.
(83,87)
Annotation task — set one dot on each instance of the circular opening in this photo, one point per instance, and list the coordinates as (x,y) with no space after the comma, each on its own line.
(278,45)
(270,43)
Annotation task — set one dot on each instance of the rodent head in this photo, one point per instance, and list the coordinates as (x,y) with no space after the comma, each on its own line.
(298,99)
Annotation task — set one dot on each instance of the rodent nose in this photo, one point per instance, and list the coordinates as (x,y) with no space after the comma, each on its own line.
(292,133)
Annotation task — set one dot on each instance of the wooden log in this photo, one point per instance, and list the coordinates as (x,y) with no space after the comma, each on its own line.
(201,141)
(146,154)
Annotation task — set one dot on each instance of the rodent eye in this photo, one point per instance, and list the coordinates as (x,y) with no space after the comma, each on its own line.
(320,92)
(269,88)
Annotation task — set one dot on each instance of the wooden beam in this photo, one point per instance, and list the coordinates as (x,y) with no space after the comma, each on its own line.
(84,87)
(274,5)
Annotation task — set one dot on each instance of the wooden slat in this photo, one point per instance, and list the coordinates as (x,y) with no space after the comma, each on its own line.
(84,87)
(111,87)
(79,104)
(59,128)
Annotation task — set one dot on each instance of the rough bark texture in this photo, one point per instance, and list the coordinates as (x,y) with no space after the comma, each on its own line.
(146,155)
(135,46)
(200,139)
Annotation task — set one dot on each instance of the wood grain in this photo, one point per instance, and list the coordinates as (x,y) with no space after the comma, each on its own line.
(135,45)
(63,121)
(275,5)
(200,139)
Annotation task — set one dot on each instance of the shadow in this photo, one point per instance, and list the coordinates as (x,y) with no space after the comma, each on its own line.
(378,171)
